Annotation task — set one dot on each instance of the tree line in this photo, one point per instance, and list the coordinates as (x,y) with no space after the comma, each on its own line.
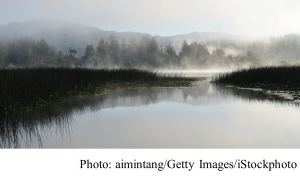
(133,53)
(143,53)
(283,50)
(27,52)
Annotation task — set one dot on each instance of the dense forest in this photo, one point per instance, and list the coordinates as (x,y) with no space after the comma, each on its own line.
(143,53)
(51,43)
(146,53)
(282,50)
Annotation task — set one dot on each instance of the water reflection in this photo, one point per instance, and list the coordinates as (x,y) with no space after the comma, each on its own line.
(36,128)
(25,128)
(251,95)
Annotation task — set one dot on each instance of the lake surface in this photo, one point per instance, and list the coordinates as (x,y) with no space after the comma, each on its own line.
(203,116)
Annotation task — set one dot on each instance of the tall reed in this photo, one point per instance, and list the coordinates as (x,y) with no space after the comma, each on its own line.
(30,86)
(280,76)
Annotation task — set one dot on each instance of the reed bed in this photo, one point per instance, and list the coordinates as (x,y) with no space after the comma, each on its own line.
(273,77)
(25,88)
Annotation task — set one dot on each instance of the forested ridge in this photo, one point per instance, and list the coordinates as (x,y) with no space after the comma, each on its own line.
(147,53)
(143,53)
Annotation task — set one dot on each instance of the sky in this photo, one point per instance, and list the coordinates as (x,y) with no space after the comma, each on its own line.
(253,18)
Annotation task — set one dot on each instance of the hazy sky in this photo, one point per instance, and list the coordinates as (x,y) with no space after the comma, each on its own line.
(165,17)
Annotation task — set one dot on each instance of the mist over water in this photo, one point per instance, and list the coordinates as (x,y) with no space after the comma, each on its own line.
(184,38)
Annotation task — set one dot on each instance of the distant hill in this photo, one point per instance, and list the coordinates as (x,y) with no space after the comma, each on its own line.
(201,37)
(63,35)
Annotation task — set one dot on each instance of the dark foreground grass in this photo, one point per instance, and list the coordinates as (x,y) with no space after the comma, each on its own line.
(27,88)
(273,78)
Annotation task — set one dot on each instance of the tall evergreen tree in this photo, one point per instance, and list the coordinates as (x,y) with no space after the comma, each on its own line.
(123,53)
(142,50)
(89,51)
(114,49)
(132,53)
(185,50)
(102,50)
(152,52)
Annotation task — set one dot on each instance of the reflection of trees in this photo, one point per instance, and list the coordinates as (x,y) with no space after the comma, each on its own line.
(200,89)
(137,97)
(25,128)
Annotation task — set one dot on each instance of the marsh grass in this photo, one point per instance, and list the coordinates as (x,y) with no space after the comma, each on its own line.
(24,89)
(275,78)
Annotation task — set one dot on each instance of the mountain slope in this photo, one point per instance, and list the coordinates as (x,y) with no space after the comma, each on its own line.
(64,35)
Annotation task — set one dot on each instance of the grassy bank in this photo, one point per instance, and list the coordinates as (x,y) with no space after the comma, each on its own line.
(26,88)
(283,78)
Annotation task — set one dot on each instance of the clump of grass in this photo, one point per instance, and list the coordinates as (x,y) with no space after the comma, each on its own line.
(26,88)
(274,77)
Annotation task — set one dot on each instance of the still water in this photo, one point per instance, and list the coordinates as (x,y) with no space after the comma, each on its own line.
(203,116)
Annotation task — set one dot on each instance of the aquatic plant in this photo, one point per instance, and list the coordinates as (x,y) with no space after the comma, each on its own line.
(26,88)
(273,77)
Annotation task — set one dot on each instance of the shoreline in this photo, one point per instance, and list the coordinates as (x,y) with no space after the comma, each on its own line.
(282,81)
(290,95)
(171,82)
